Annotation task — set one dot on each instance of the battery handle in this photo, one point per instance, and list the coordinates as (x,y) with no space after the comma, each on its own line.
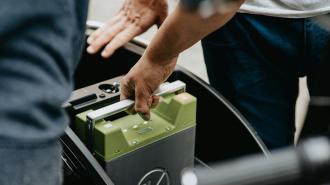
(107,111)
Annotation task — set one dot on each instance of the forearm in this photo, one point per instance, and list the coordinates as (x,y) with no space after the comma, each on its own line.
(182,29)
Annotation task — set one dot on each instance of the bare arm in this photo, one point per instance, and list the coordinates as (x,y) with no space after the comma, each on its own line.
(179,31)
(182,29)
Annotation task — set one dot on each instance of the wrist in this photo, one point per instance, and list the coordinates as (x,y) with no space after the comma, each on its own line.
(164,66)
(158,56)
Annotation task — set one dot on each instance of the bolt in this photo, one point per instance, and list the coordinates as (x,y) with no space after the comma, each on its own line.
(102,95)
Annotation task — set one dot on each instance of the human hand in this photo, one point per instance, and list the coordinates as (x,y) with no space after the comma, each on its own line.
(134,18)
(142,80)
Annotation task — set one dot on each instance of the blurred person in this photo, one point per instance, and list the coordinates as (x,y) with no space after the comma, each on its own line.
(255,52)
(41,43)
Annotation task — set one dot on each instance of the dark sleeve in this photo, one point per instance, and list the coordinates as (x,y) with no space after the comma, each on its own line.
(38,53)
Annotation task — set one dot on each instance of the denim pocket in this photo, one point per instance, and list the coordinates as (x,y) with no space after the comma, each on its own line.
(233,64)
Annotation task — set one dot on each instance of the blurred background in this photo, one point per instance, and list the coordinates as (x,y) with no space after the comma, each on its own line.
(192,58)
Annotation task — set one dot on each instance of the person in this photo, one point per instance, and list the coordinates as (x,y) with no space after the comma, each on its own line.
(254,51)
(40,48)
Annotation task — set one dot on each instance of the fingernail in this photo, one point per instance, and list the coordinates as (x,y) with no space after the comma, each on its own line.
(90,49)
(144,116)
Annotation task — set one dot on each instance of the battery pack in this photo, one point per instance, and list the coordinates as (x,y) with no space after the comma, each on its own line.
(137,152)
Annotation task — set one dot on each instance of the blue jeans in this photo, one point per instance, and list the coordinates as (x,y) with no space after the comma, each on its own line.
(255,61)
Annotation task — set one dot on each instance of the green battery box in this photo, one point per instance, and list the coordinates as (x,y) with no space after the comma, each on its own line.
(134,151)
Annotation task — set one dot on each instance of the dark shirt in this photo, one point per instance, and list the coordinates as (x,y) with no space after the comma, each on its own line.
(40,45)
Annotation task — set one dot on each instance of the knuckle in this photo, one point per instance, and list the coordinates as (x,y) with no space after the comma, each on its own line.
(109,34)
(124,81)
(97,44)
(141,109)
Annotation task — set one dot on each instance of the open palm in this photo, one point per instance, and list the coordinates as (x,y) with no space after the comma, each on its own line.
(134,18)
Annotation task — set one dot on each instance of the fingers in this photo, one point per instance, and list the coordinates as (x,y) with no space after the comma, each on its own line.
(134,18)
(127,92)
(95,34)
(142,103)
(154,101)
(127,89)
(103,28)
(120,39)
(106,36)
